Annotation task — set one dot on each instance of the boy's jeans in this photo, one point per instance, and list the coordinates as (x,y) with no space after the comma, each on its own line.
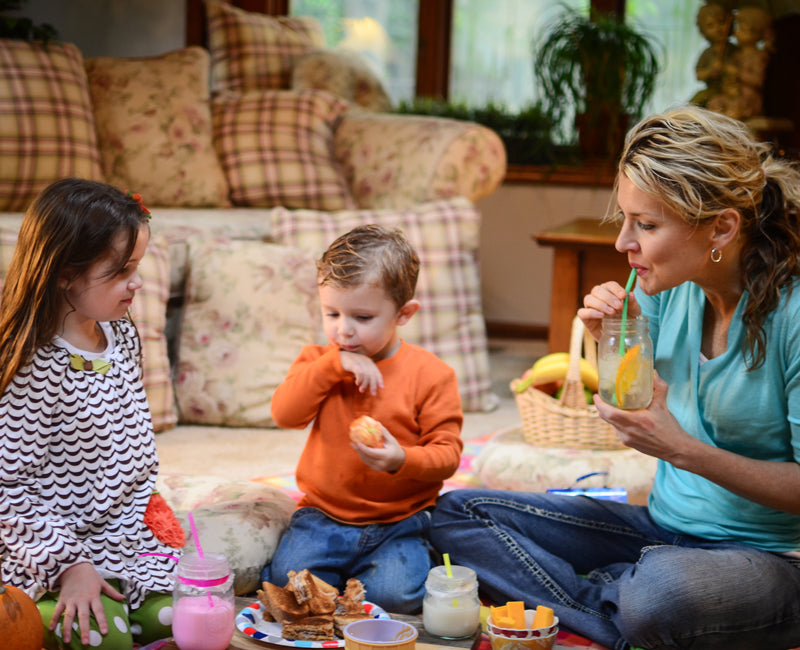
(653,588)
(391,560)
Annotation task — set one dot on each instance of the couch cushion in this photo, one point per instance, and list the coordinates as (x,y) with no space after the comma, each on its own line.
(276,147)
(250,306)
(445,235)
(149,313)
(508,462)
(346,74)
(240,519)
(154,127)
(254,51)
(47,127)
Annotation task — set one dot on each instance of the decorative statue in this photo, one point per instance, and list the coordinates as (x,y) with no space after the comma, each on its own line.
(743,71)
(714,23)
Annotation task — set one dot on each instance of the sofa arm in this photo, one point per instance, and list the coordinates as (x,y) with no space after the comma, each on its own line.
(396,161)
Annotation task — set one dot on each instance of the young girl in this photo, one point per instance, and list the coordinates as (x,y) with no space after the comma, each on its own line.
(77,453)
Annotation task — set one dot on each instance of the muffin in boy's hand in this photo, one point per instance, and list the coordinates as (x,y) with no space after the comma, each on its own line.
(367,431)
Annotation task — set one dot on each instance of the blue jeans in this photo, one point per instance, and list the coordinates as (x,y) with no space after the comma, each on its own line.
(391,560)
(613,575)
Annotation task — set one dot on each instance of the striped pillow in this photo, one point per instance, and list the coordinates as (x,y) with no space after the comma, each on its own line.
(149,312)
(276,147)
(47,126)
(252,51)
(450,320)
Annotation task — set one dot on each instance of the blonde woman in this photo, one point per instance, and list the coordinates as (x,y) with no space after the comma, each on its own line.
(709,220)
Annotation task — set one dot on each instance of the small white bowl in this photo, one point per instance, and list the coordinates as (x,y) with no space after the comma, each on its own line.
(380,634)
(533,643)
(527,633)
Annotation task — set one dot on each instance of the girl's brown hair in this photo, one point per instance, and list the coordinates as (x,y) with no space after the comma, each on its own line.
(699,163)
(69,226)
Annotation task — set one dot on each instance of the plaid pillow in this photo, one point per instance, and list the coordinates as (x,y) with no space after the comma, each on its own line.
(445,235)
(276,147)
(149,312)
(251,51)
(46,121)
(154,127)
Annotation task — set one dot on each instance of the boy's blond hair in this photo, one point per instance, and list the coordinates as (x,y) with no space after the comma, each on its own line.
(371,255)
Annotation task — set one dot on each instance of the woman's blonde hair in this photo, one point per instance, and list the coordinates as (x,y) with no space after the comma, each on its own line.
(69,226)
(699,163)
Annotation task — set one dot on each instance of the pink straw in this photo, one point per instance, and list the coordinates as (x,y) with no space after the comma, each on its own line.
(199,548)
(195,537)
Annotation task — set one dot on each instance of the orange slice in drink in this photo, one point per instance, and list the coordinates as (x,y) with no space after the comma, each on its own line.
(630,369)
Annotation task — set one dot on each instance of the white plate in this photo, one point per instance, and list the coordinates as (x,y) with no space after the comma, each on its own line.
(250,622)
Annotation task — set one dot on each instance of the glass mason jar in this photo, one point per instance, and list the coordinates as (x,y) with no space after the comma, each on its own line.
(203,603)
(450,608)
(625,362)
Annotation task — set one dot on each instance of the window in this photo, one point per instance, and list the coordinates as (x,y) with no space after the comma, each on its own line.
(384,31)
(492,49)
(491,45)
(673,25)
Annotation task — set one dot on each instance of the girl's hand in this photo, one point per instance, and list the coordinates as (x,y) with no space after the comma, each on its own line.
(366,373)
(653,431)
(604,300)
(388,458)
(79,597)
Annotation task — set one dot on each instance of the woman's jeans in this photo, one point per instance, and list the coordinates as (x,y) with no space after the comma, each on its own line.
(613,575)
(391,560)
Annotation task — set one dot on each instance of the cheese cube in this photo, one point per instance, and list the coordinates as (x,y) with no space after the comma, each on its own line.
(543,617)
(516,612)
(498,613)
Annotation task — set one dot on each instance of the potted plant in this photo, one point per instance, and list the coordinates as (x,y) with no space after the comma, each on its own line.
(604,69)
(19,27)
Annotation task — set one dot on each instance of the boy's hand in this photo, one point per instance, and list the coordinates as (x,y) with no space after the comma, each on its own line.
(366,373)
(388,458)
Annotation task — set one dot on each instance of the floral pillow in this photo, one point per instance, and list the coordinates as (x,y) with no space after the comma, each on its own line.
(240,519)
(346,74)
(445,235)
(250,307)
(149,312)
(47,128)
(252,51)
(154,127)
(276,147)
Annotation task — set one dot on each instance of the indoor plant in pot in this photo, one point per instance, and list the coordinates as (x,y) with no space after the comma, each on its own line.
(600,66)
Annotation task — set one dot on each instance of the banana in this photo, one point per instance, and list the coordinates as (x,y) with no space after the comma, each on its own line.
(553,367)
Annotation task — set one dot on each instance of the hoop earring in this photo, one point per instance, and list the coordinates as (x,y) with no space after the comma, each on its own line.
(716,255)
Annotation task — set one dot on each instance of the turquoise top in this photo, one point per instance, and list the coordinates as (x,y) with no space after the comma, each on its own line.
(755,414)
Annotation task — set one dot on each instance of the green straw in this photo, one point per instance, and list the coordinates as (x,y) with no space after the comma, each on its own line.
(628,287)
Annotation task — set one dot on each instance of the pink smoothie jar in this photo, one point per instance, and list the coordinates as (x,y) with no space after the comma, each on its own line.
(202,603)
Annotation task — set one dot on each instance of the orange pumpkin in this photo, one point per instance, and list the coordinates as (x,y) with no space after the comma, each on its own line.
(21,625)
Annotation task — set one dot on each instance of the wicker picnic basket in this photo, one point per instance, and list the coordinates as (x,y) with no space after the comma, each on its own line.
(567,421)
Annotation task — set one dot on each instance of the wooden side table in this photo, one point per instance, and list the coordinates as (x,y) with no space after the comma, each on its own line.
(584,256)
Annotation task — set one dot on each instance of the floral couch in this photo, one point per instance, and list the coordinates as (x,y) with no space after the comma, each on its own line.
(249,172)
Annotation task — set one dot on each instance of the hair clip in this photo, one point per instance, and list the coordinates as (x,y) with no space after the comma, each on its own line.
(140,201)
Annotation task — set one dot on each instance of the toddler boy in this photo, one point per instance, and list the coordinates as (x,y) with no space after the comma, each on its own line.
(365,510)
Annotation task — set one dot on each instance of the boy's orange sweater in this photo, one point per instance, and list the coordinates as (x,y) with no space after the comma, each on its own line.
(419,405)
